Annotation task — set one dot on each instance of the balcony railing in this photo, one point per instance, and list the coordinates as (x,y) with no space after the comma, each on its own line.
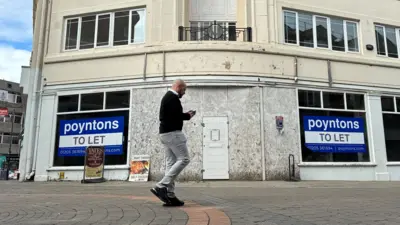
(215,32)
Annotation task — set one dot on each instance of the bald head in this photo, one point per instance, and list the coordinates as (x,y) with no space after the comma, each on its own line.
(179,86)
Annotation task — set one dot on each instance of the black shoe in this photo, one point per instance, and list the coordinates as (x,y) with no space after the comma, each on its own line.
(161,193)
(174,202)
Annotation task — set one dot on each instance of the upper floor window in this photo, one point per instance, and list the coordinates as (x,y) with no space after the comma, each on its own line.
(104,30)
(387,41)
(314,31)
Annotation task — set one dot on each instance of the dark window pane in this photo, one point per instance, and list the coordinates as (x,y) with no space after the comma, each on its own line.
(337,32)
(380,40)
(290,28)
(313,156)
(15,140)
(391,42)
(87,32)
(19,99)
(68,103)
(17,119)
(121,28)
(138,27)
(115,100)
(306,30)
(398,104)
(309,98)
(355,101)
(93,101)
(352,36)
(322,32)
(71,34)
(103,30)
(391,124)
(333,100)
(110,159)
(387,104)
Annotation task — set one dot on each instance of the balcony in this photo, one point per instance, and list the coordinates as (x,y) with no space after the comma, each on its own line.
(216,31)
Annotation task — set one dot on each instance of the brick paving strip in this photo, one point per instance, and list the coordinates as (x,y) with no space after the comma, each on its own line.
(197,214)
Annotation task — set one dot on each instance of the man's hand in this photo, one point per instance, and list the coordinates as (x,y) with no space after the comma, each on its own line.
(191,113)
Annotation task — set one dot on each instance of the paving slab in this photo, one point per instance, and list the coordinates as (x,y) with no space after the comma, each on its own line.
(208,203)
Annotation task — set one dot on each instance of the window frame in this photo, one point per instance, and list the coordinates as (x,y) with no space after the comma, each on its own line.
(371,152)
(395,112)
(78,34)
(397,31)
(329,30)
(110,32)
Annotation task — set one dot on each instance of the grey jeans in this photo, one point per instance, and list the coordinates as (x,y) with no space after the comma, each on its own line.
(176,157)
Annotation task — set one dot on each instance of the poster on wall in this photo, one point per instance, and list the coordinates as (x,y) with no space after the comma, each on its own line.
(77,135)
(139,168)
(93,171)
(334,134)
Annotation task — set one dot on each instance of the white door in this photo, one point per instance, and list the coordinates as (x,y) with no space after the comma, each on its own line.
(215,148)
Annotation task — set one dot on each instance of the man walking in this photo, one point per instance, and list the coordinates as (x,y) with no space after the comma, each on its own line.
(174,141)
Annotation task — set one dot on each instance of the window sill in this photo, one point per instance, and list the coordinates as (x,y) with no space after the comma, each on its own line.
(393,164)
(339,164)
(79,168)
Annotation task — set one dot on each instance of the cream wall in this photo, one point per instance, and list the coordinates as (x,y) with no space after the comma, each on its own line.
(223,58)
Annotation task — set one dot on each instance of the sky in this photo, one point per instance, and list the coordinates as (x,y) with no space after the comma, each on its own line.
(15,37)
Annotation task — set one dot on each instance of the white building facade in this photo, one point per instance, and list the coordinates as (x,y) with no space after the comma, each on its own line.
(269,79)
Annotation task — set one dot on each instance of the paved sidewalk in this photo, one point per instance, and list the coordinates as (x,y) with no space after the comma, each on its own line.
(211,203)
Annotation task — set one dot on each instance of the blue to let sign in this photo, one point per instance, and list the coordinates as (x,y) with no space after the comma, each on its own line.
(334,134)
(77,135)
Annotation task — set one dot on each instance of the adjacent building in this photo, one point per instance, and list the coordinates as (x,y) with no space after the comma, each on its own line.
(317,81)
(12,108)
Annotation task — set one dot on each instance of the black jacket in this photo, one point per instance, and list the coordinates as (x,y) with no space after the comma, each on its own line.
(171,113)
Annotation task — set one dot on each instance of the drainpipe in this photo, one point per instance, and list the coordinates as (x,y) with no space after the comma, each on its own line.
(34,83)
(262,131)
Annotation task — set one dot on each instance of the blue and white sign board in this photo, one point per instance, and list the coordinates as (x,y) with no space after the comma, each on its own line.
(334,134)
(77,135)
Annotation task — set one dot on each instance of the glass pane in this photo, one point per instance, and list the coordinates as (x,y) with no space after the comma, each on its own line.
(290,28)
(337,31)
(333,100)
(15,140)
(380,40)
(115,100)
(19,99)
(87,32)
(391,124)
(11,97)
(121,28)
(398,104)
(92,101)
(138,26)
(68,103)
(309,98)
(17,119)
(306,30)
(322,32)
(387,104)
(103,30)
(71,34)
(352,37)
(355,101)
(391,42)
(6,139)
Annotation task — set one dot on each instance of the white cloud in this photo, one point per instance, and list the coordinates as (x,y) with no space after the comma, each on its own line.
(11,60)
(16,20)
